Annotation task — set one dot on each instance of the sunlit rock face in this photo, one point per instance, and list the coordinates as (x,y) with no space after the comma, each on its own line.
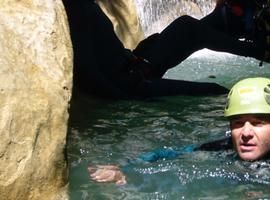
(35,90)
(123,14)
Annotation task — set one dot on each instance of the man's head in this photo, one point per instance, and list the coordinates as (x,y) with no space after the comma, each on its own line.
(248,109)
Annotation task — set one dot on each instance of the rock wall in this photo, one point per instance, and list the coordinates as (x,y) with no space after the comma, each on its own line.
(35,90)
(124,17)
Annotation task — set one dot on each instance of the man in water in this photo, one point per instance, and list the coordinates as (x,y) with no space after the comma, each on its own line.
(248,111)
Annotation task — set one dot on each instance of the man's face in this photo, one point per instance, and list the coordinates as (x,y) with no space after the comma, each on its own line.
(251,136)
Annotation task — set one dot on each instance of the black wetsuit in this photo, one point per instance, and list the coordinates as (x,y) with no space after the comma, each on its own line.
(103,66)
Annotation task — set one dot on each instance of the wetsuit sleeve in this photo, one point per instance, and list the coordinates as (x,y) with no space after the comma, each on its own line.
(158,154)
(165,153)
(169,153)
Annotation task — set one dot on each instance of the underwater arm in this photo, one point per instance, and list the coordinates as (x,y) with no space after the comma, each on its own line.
(113,173)
(165,153)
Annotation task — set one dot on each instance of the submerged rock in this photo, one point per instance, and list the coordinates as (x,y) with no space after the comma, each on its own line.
(35,90)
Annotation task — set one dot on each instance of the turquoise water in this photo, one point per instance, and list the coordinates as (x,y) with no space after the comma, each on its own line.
(111,132)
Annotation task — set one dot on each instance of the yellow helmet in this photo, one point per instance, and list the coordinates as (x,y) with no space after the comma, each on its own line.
(249,96)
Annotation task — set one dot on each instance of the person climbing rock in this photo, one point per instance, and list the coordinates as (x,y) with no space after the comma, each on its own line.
(104,67)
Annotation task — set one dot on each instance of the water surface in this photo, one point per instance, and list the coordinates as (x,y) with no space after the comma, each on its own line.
(113,132)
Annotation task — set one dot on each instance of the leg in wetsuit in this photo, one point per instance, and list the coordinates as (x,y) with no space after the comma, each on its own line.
(186,35)
(179,40)
(100,60)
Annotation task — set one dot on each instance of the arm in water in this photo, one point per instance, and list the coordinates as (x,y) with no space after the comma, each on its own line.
(113,173)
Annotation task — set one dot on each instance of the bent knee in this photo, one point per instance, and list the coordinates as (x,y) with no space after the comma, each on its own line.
(188,19)
(188,24)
